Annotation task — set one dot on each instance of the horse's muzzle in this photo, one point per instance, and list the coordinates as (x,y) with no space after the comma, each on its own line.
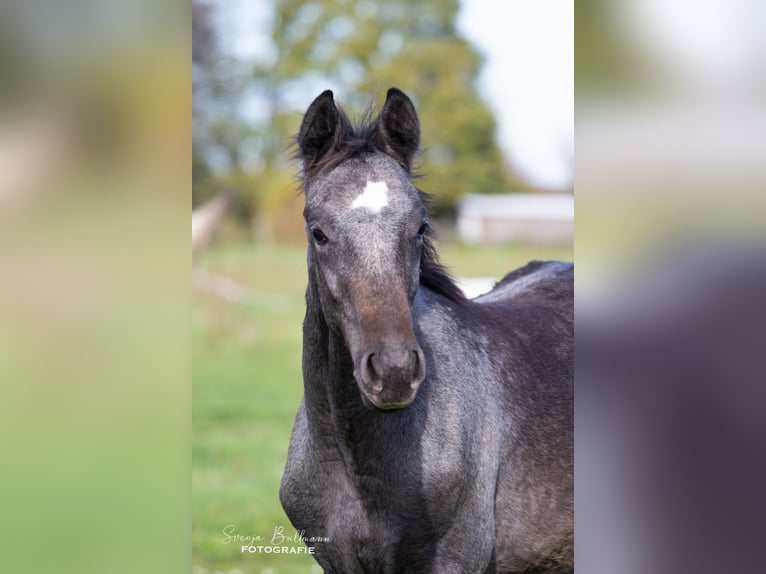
(389,375)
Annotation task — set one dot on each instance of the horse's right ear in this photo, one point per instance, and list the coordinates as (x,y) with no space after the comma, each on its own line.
(400,127)
(322,128)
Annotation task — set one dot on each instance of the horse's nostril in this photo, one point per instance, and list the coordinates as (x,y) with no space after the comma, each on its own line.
(370,373)
(420,369)
(405,367)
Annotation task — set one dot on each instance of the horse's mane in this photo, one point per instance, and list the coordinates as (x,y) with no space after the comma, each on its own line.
(432,273)
(361,139)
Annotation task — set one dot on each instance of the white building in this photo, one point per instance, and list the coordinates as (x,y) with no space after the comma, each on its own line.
(545,218)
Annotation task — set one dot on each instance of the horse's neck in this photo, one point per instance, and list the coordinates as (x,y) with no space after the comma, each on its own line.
(331,398)
(342,429)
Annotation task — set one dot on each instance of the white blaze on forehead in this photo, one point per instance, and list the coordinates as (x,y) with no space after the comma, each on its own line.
(374,197)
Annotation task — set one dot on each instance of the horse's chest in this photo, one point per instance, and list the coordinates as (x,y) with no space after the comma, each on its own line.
(373,507)
(383,509)
(375,529)
(387,522)
(361,539)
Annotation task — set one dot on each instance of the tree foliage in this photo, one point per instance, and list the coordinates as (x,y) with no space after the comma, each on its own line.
(365,47)
(360,49)
(220,133)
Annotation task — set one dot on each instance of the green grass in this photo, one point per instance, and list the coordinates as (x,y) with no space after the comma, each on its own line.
(247,384)
(496,260)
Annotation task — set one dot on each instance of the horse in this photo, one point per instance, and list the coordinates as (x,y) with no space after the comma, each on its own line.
(435,433)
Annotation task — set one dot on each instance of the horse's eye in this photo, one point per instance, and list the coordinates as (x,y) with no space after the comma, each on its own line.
(319,237)
(422,230)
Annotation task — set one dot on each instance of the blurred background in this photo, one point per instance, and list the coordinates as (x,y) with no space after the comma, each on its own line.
(95,191)
(493,86)
(670,105)
(95,180)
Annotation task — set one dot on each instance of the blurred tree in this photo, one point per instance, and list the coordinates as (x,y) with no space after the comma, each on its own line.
(363,48)
(359,49)
(220,135)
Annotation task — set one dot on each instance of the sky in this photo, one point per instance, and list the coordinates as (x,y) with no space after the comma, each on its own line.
(527,79)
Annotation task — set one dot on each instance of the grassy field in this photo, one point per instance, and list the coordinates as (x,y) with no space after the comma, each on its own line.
(247,384)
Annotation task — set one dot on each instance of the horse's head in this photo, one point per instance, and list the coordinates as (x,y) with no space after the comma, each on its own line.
(365,224)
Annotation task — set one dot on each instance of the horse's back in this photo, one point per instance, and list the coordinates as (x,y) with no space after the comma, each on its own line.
(536,303)
(551,281)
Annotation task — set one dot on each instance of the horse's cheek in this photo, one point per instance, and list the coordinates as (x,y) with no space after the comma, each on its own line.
(329,293)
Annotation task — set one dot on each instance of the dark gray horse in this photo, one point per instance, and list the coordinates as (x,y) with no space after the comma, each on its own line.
(435,432)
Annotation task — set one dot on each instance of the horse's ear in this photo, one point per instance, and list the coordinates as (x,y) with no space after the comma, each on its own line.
(400,127)
(322,128)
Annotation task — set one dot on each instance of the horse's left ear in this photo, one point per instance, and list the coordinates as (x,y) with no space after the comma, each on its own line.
(400,127)
(323,127)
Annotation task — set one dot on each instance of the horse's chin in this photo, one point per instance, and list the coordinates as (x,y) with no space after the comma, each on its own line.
(376,405)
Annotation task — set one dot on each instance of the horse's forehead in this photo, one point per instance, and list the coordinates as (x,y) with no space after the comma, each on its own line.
(369,186)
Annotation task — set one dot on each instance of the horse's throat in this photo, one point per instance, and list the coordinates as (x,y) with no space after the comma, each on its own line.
(328,369)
